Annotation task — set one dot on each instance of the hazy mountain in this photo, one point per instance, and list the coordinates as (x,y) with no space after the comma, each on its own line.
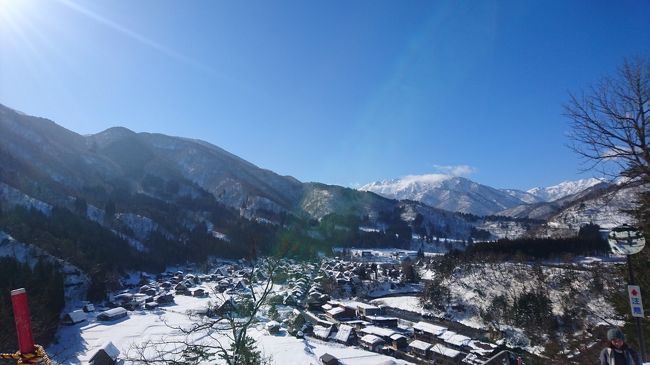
(456,194)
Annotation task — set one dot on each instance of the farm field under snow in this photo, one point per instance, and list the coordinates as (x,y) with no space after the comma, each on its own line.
(78,343)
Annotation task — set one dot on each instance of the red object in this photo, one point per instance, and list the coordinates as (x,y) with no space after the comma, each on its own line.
(634,292)
(23,324)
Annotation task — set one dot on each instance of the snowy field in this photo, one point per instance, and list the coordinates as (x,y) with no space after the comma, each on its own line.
(407,303)
(78,343)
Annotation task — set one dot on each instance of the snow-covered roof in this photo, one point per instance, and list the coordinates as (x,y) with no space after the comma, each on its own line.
(353,304)
(444,350)
(454,338)
(109,349)
(77,316)
(397,336)
(420,345)
(472,359)
(371,339)
(429,328)
(381,318)
(334,311)
(113,312)
(344,333)
(379,331)
(322,331)
(481,348)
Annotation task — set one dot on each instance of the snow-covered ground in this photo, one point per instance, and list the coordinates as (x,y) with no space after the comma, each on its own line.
(78,343)
(407,303)
(474,288)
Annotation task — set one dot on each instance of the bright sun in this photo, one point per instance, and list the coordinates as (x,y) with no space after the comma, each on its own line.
(12,12)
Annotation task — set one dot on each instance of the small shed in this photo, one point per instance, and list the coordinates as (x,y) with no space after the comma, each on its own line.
(327,359)
(106,355)
(164,298)
(89,307)
(74,317)
(398,341)
(273,327)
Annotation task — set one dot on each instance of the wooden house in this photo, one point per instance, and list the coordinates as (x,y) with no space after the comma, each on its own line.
(345,334)
(428,332)
(112,314)
(420,349)
(74,317)
(106,355)
(372,343)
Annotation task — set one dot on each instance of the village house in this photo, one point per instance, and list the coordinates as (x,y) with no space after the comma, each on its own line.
(322,332)
(455,341)
(372,343)
(420,349)
(199,292)
(345,335)
(383,333)
(112,314)
(106,355)
(74,317)
(164,298)
(398,341)
(443,355)
(339,314)
(382,321)
(482,351)
(427,332)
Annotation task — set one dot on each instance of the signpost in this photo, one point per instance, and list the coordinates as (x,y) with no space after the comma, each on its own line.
(627,240)
(636,304)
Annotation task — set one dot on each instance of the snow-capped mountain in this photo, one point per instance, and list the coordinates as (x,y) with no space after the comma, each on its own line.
(524,196)
(563,189)
(456,194)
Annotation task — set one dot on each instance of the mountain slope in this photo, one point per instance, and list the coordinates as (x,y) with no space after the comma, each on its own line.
(563,189)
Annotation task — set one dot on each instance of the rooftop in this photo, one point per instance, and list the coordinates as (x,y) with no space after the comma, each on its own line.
(420,345)
(429,328)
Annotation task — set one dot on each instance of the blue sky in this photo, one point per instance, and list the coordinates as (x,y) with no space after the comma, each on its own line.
(341,92)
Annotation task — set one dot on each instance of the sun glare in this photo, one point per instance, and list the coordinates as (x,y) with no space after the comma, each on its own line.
(10,13)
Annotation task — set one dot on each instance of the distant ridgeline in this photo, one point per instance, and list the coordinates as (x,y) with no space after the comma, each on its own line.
(46,299)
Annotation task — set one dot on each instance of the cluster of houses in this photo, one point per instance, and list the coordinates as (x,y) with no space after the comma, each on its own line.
(362,324)
(311,287)
(350,279)
(365,325)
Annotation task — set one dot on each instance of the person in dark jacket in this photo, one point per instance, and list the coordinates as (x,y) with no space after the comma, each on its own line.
(618,353)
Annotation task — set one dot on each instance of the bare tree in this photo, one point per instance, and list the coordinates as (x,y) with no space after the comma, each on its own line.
(611,122)
(219,333)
